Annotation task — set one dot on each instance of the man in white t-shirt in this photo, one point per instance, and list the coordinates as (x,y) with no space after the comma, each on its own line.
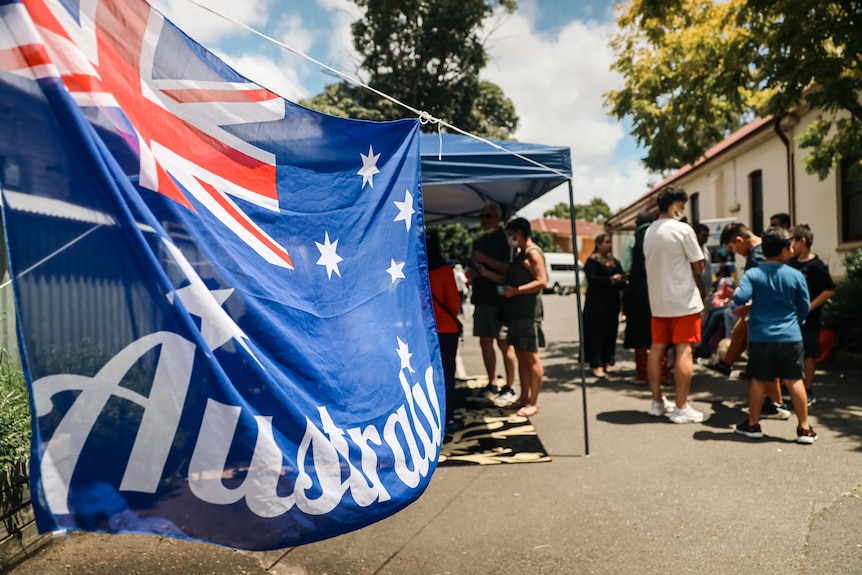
(674,264)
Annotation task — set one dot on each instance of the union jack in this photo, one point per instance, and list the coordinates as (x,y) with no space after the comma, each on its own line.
(111,55)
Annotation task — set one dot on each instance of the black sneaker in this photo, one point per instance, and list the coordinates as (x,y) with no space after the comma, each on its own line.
(806,436)
(772,410)
(718,366)
(812,399)
(752,431)
(491,391)
(702,352)
(506,397)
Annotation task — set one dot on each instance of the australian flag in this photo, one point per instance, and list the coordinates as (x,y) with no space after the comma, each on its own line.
(222,297)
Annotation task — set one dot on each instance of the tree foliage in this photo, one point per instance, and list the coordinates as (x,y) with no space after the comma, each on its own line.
(456,241)
(561,211)
(427,54)
(596,211)
(841,313)
(695,70)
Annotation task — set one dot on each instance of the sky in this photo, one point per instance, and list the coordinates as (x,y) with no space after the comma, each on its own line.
(551,58)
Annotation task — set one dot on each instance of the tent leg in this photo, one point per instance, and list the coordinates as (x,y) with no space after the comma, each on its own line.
(580,317)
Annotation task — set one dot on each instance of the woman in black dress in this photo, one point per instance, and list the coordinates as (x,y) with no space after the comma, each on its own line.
(605,278)
(636,303)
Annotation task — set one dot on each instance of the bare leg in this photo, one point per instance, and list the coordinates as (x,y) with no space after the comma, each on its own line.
(489,357)
(654,369)
(508,361)
(809,365)
(773,390)
(796,387)
(738,342)
(531,373)
(755,399)
(682,373)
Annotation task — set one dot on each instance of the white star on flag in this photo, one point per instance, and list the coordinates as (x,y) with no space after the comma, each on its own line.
(405,209)
(217,327)
(369,167)
(405,355)
(396,270)
(328,257)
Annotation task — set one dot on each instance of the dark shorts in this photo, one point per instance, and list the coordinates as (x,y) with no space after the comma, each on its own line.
(811,343)
(770,359)
(488,321)
(526,334)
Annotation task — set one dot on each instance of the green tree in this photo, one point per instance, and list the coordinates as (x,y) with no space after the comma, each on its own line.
(695,70)
(545,241)
(596,211)
(561,211)
(427,54)
(456,241)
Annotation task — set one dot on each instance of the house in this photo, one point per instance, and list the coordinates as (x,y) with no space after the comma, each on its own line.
(561,232)
(756,172)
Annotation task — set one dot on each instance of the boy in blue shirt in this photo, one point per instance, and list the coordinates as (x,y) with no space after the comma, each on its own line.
(780,303)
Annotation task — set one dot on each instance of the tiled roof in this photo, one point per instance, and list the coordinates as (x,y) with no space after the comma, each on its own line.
(563,227)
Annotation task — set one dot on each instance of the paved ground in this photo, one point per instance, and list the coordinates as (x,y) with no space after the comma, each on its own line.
(651,497)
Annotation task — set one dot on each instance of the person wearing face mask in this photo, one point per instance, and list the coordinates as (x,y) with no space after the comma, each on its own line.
(492,250)
(521,290)
(605,279)
(674,264)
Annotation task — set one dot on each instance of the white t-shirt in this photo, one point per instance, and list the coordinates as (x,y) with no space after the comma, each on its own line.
(670,247)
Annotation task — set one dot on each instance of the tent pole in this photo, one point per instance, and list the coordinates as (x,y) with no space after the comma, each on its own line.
(580,315)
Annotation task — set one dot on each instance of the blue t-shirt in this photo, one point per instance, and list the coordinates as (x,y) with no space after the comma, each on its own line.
(779,305)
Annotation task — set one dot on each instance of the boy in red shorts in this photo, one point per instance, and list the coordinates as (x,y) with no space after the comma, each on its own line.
(674,264)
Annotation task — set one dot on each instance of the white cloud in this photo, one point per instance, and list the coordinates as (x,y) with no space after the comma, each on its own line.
(618,186)
(204,26)
(272,75)
(340,54)
(557,82)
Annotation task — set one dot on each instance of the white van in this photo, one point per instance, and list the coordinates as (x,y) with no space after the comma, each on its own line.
(560,267)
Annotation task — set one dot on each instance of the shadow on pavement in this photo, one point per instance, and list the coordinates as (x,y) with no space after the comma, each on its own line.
(838,407)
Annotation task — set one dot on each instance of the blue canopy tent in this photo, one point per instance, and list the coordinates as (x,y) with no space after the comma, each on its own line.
(460,173)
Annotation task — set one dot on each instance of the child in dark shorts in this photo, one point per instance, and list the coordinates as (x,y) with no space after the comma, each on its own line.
(780,304)
(820,289)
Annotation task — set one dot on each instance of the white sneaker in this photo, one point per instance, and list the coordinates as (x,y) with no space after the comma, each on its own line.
(506,397)
(660,408)
(686,415)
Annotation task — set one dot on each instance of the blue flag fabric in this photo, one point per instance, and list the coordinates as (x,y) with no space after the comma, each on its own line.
(223,305)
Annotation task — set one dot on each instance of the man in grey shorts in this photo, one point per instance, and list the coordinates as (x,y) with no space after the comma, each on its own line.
(492,251)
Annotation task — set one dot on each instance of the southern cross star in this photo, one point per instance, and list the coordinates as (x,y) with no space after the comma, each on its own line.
(396,270)
(328,257)
(369,167)
(405,209)
(405,355)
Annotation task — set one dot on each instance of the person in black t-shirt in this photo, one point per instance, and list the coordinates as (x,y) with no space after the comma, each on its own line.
(492,250)
(820,289)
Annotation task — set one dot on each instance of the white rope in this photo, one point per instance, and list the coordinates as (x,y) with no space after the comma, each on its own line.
(424,117)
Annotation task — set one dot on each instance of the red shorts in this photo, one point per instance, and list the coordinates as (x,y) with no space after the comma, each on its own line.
(683,329)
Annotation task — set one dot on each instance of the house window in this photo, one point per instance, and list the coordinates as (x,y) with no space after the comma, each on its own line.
(755,191)
(694,202)
(851,203)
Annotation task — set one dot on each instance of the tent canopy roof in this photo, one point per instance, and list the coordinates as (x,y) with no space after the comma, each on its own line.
(460,173)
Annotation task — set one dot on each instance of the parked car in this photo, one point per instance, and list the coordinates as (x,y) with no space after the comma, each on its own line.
(561,267)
